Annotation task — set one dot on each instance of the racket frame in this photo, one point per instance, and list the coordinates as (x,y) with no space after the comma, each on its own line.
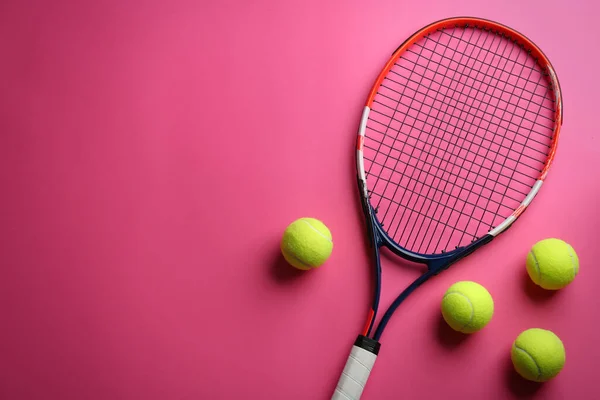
(366,349)
(438,262)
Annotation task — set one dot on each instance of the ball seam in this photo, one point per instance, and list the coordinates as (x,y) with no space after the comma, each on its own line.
(572,260)
(539,371)
(537,265)
(468,324)
(301,262)
(316,230)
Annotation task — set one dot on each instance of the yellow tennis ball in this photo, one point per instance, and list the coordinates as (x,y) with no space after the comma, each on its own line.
(552,264)
(467,307)
(538,355)
(306,243)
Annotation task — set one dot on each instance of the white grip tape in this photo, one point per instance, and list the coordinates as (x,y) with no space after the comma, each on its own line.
(355,374)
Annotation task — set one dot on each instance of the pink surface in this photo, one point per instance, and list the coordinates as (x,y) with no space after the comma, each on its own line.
(152,154)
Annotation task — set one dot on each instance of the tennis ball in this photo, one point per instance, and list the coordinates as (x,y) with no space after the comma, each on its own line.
(467,307)
(538,355)
(552,264)
(306,243)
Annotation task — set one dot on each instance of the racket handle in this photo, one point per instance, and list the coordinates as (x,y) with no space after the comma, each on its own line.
(358,367)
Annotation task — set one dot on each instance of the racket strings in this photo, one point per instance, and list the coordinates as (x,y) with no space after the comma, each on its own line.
(452,79)
(431,218)
(451,174)
(438,222)
(411,178)
(463,103)
(532,67)
(446,184)
(537,169)
(501,117)
(538,114)
(432,164)
(428,195)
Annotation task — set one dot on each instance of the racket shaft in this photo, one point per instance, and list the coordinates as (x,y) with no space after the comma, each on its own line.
(355,375)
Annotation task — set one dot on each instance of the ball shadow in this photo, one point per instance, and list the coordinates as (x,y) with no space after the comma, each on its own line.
(535,293)
(520,387)
(448,337)
(282,272)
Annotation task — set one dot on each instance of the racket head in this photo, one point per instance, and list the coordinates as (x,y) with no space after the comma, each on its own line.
(457,136)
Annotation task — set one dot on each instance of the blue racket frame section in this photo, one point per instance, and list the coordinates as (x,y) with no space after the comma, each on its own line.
(435,264)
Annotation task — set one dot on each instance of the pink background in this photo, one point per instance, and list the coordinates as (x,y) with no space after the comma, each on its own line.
(152,154)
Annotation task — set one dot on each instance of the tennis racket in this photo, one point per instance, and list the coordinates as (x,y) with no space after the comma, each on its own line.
(455,141)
